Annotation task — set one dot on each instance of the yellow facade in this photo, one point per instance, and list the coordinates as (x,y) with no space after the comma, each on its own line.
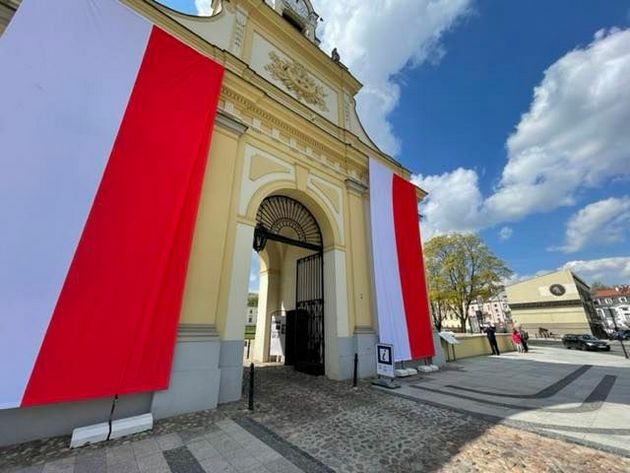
(476,345)
(286,126)
(557,302)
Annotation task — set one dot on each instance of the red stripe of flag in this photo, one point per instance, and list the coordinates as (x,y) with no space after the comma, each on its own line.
(114,326)
(411,268)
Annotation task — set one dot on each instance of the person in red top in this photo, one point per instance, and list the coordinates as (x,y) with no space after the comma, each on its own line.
(518,342)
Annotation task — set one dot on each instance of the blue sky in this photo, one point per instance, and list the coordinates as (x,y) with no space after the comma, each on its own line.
(515,116)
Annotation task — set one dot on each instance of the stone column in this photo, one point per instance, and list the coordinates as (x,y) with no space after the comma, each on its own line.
(231,358)
(365,337)
(267,304)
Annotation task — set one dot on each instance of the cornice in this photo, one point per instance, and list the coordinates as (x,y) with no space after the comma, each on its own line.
(197,333)
(230,122)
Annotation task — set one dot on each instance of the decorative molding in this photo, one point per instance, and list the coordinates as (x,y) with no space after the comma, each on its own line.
(298,80)
(546,304)
(285,172)
(309,147)
(332,196)
(197,333)
(261,166)
(364,330)
(331,193)
(238,35)
(230,122)
(356,186)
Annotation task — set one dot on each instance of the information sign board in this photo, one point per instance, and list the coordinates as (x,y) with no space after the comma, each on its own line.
(385,360)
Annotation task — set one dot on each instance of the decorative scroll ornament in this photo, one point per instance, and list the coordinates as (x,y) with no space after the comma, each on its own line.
(297,79)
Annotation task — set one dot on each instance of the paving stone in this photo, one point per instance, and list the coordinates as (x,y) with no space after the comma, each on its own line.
(240,460)
(180,460)
(91,462)
(153,463)
(28,469)
(169,441)
(202,449)
(145,447)
(65,465)
(217,465)
(120,454)
(317,425)
(281,465)
(123,467)
(225,444)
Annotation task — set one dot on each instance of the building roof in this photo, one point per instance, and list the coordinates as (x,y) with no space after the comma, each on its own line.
(612,292)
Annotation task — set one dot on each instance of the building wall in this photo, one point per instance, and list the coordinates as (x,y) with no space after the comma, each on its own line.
(476,345)
(534,306)
(268,139)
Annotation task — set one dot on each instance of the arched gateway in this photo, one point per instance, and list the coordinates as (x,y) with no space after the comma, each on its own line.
(286,174)
(283,220)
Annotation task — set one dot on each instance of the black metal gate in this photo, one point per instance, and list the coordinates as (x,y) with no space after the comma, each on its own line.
(304,340)
(309,315)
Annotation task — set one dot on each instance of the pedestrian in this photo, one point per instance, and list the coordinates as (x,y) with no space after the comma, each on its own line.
(516,339)
(524,338)
(490,332)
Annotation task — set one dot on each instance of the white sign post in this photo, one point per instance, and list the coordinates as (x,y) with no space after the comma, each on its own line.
(385,366)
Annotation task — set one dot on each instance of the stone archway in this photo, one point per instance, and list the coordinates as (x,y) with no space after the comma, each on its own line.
(292,285)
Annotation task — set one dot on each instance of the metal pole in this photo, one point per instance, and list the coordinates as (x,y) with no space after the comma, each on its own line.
(251,387)
(356,369)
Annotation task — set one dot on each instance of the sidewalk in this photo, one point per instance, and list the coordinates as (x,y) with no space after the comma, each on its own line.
(210,443)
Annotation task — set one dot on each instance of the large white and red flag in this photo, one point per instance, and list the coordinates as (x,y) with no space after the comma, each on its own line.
(105,122)
(401,295)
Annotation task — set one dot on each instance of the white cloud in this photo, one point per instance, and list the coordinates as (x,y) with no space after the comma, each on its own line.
(505,233)
(204,7)
(606,270)
(605,221)
(574,136)
(609,271)
(453,203)
(377,40)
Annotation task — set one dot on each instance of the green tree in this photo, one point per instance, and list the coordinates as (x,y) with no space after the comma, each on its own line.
(252,299)
(597,285)
(460,268)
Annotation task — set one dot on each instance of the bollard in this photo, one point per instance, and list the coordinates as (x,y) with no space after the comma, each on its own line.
(251,387)
(356,369)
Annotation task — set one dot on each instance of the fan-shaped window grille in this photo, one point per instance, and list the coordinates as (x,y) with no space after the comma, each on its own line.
(283,219)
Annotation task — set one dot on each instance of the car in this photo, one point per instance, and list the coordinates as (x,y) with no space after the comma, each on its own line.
(585,342)
(620,335)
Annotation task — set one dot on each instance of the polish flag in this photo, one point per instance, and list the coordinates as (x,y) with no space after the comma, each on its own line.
(401,295)
(105,125)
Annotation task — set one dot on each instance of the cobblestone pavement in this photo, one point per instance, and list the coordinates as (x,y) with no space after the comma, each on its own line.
(365,430)
(311,424)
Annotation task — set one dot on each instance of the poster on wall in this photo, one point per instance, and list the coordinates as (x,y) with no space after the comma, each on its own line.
(401,296)
(105,128)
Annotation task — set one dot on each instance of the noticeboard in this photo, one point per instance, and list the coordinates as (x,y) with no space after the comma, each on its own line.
(449,337)
(385,360)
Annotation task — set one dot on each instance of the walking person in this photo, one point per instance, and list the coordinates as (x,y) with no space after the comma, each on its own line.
(492,339)
(516,339)
(524,338)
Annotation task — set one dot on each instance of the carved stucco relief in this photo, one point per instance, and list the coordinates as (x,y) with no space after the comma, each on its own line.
(296,78)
